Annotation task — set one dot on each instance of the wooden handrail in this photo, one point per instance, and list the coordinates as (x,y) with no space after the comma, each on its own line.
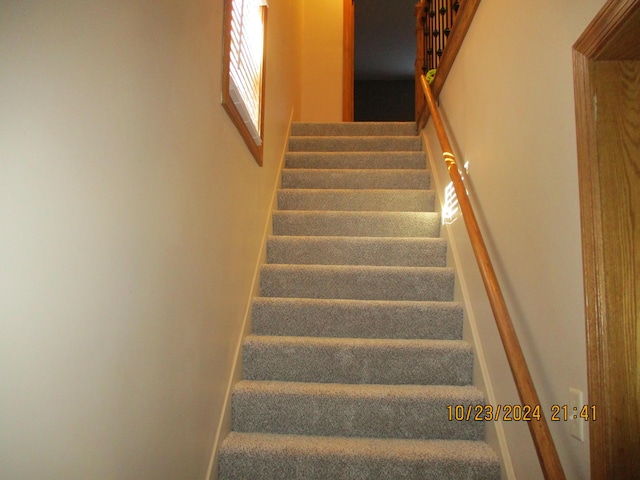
(545,448)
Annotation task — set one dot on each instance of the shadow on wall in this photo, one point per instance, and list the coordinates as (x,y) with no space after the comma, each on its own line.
(384,100)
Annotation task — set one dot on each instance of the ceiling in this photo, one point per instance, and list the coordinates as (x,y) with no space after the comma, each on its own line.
(385,43)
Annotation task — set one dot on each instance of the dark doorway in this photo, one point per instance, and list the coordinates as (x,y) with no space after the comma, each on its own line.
(385,52)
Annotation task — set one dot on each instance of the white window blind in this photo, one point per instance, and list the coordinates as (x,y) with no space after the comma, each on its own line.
(245,62)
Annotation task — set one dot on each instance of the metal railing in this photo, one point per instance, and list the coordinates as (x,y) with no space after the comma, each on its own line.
(441,26)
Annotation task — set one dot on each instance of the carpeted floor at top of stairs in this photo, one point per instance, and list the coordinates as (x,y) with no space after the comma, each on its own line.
(356,360)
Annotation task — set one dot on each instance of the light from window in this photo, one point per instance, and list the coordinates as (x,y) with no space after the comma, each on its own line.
(244,66)
(451,208)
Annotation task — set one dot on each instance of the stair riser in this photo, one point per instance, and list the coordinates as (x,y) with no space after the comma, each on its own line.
(353,319)
(366,283)
(322,361)
(355,179)
(357,200)
(365,224)
(406,252)
(283,466)
(354,129)
(355,415)
(355,144)
(356,160)
(294,457)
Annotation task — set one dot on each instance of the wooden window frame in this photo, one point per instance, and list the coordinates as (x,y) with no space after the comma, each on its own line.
(228,103)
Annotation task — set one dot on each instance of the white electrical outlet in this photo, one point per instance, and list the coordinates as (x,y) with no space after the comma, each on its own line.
(576,424)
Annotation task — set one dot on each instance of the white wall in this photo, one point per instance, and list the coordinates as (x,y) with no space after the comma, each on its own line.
(322,61)
(131,220)
(509,107)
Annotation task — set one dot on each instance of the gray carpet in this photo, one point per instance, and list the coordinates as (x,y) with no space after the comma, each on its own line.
(356,351)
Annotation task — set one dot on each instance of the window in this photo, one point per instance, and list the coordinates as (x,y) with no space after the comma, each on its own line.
(243,72)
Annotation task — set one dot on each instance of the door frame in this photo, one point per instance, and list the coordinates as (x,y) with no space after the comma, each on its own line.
(606,61)
(348,60)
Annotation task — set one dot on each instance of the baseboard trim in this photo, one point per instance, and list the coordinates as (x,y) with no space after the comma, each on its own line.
(507,464)
(224,424)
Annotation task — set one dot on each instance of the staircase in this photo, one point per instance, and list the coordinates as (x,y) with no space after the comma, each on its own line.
(356,349)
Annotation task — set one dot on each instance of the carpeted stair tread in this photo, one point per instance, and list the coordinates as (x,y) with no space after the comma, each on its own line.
(357,282)
(356,200)
(356,160)
(366,224)
(356,144)
(391,251)
(357,360)
(354,129)
(357,318)
(257,456)
(354,410)
(408,179)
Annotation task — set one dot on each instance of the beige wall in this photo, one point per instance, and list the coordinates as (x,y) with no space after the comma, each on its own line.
(322,61)
(509,105)
(132,218)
